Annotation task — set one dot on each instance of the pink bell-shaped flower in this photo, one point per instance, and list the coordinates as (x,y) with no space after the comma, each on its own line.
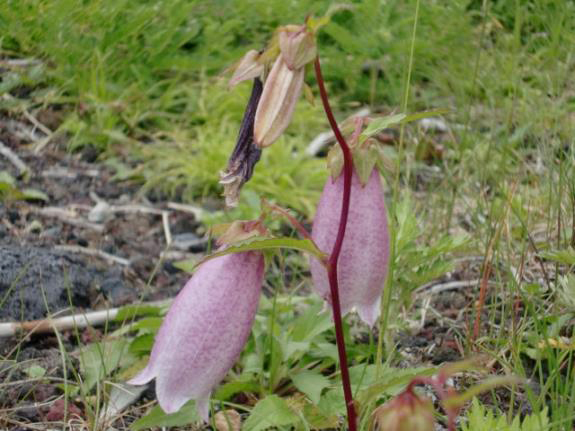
(204,331)
(363,262)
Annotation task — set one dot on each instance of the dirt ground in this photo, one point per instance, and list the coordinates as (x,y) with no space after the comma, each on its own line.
(92,242)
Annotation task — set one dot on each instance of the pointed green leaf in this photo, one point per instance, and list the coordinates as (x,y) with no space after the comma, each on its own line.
(311,383)
(158,418)
(379,124)
(305,245)
(270,412)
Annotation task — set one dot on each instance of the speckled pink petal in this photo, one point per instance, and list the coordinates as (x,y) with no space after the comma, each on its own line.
(363,262)
(204,331)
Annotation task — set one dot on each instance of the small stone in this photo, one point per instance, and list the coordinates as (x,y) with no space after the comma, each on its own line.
(189,242)
(228,420)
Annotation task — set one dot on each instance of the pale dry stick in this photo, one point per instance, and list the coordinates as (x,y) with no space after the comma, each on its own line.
(20,62)
(198,212)
(13,158)
(65,216)
(79,321)
(430,289)
(37,123)
(93,252)
(166,225)
(142,209)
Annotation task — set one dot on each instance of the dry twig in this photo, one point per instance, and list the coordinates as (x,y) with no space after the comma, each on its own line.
(93,252)
(13,158)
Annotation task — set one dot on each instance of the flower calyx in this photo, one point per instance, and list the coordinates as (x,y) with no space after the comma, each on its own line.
(297,45)
(239,231)
(367,154)
(406,412)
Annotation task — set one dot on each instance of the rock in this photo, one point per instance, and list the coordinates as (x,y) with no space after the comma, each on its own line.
(36,282)
(189,242)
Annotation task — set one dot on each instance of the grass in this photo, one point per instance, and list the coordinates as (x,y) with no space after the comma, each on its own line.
(142,84)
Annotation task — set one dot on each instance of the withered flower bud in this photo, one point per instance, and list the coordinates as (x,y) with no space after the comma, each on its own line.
(298,47)
(246,154)
(281,91)
(248,68)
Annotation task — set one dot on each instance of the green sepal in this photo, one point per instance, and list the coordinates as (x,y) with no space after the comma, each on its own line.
(364,160)
(335,161)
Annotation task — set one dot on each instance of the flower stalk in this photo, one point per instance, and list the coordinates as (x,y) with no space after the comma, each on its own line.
(332,262)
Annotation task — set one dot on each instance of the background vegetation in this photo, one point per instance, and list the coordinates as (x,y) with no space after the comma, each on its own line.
(143,84)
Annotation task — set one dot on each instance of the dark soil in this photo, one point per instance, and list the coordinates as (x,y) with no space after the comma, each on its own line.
(95,243)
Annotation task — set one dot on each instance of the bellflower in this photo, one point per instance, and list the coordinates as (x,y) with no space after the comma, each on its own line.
(363,261)
(204,331)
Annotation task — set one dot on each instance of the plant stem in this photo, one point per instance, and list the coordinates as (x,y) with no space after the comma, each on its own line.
(332,263)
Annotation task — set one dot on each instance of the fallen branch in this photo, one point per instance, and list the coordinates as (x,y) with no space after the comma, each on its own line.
(431,289)
(93,252)
(23,169)
(166,226)
(79,321)
(68,217)
(196,211)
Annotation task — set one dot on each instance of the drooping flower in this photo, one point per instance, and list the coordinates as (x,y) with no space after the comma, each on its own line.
(204,331)
(363,261)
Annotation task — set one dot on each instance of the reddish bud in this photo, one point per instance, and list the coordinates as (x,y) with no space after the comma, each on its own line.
(406,412)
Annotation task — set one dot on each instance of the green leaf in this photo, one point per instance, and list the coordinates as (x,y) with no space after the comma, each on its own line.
(318,419)
(228,390)
(311,323)
(129,312)
(149,323)
(99,360)
(187,265)
(311,383)
(488,384)
(379,124)
(142,344)
(34,195)
(305,245)
(158,418)
(35,371)
(332,402)
(270,412)
(566,256)
(424,114)
(6,178)
(390,382)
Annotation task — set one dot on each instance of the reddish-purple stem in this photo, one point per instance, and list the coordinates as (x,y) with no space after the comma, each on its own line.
(332,263)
